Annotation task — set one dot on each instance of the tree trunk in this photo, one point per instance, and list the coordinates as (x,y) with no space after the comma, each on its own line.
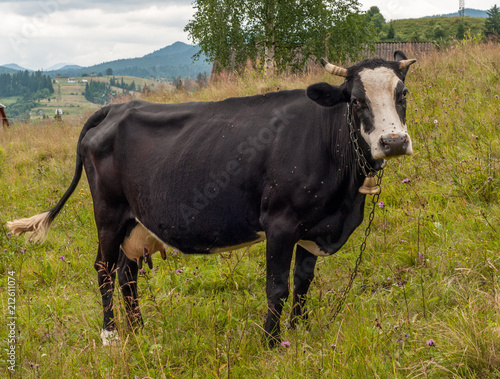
(269,42)
(269,62)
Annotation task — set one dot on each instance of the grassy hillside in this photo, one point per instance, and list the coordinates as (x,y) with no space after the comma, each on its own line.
(435,28)
(426,302)
(69,96)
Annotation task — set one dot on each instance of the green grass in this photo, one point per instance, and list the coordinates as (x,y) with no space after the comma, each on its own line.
(8,100)
(206,321)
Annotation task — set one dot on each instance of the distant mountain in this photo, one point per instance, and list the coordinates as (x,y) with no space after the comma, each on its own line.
(70,67)
(468,12)
(168,62)
(63,66)
(16,67)
(177,48)
(6,70)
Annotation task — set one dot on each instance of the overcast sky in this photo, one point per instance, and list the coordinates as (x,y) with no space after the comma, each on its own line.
(39,34)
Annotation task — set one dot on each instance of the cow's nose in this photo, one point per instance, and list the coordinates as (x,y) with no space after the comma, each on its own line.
(394,144)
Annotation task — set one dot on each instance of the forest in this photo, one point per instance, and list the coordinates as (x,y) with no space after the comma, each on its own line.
(30,86)
(98,92)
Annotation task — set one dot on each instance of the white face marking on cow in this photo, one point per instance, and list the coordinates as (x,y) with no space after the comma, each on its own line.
(380,86)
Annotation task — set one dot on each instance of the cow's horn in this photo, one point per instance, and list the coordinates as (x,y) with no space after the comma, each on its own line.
(405,63)
(332,69)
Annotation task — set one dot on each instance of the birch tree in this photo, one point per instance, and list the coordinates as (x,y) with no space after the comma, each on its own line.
(278,35)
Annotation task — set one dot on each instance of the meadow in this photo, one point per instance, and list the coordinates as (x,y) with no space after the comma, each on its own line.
(425,304)
(69,96)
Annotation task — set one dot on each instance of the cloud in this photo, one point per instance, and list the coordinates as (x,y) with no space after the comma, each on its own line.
(43,33)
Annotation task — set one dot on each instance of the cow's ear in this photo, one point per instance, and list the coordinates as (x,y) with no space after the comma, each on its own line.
(325,94)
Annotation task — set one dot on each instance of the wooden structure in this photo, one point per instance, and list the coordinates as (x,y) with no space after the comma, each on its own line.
(4,121)
(412,50)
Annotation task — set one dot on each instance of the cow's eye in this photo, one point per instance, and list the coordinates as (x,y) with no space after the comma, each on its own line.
(356,102)
(403,95)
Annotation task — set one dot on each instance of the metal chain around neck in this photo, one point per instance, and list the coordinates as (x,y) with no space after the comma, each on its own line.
(367,170)
(362,248)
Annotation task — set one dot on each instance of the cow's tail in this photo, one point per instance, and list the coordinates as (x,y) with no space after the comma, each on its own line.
(39,224)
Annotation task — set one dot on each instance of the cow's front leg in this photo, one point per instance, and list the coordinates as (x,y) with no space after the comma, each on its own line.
(127,277)
(279,256)
(302,278)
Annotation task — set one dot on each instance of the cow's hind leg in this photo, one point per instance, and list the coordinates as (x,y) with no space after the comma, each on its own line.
(302,278)
(111,232)
(127,277)
(278,256)
(106,273)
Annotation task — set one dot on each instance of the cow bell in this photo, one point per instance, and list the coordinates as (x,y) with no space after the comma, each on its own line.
(369,186)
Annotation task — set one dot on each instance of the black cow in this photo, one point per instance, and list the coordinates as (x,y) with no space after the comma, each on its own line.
(215,176)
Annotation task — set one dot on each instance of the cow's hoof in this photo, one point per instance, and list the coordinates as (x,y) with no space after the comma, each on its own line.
(110,337)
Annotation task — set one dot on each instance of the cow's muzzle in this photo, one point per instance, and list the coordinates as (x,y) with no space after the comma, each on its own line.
(393,145)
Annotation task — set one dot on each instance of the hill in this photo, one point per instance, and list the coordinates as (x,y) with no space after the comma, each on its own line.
(16,67)
(6,70)
(62,66)
(442,28)
(169,62)
(467,11)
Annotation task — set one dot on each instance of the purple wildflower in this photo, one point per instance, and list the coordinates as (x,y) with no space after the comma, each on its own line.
(406,180)
(416,109)
(381,205)
(23,251)
(179,271)
(9,234)
(62,258)
(333,346)
(490,179)
(430,342)
(142,271)
(421,258)
(285,344)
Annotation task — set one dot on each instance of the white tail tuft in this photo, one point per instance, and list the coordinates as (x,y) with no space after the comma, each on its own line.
(38,225)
